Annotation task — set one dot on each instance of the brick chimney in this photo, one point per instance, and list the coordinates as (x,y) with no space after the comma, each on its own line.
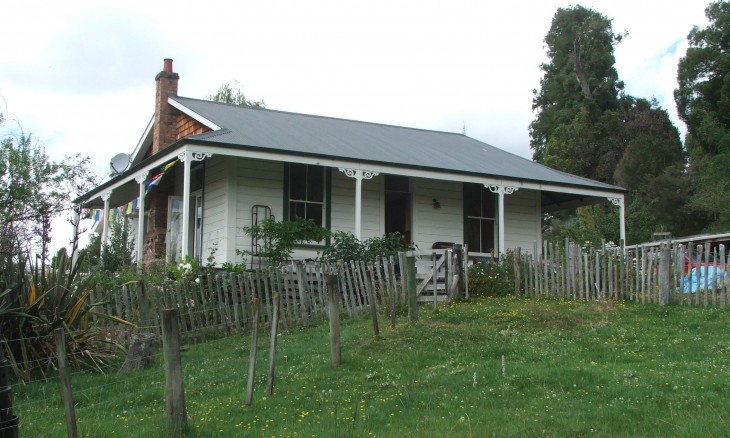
(165,129)
(164,134)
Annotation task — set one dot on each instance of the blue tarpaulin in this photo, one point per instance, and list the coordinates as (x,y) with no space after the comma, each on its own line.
(706,274)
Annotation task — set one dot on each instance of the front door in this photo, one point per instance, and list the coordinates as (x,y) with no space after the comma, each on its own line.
(398,206)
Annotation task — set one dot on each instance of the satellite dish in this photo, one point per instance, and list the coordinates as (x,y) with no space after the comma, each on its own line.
(119,163)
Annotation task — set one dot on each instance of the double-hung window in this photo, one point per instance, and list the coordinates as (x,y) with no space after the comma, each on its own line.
(480,213)
(306,192)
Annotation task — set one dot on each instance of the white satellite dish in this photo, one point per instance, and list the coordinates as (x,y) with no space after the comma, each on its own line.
(119,163)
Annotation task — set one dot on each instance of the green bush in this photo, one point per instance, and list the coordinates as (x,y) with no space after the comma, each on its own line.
(281,237)
(492,278)
(345,246)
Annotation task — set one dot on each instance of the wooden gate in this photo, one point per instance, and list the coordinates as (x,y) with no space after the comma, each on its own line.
(437,275)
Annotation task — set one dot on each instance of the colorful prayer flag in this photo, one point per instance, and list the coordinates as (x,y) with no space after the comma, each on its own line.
(167,167)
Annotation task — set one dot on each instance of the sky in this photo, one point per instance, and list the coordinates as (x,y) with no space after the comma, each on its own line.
(80,75)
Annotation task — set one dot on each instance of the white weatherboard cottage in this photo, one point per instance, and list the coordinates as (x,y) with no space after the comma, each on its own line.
(204,170)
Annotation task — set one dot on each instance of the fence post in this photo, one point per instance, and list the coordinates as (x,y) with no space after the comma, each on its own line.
(333,298)
(465,266)
(370,288)
(411,287)
(664,275)
(68,402)
(272,348)
(434,275)
(516,259)
(254,348)
(174,392)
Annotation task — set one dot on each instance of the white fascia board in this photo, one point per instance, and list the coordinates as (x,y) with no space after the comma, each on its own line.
(416,173)
(142,140)
(157,163)
(171,100)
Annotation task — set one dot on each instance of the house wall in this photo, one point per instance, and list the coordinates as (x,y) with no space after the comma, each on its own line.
(444,224)
(234,185)
(343,205)
(522,219)
(216,206)
(255,182)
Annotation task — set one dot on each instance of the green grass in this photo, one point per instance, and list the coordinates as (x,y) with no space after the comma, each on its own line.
(571,369)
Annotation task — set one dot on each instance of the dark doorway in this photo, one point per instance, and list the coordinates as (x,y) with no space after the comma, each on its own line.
(398,206)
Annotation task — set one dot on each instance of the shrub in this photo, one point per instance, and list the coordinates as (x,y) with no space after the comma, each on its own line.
(345,246)
(492,278)
(117,253)
(281,237)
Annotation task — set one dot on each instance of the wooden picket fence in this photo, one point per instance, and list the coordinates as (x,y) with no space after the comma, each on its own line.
(222,300)
(660,274)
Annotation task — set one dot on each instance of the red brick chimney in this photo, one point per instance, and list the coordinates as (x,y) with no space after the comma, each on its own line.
(165,129)
(164,134)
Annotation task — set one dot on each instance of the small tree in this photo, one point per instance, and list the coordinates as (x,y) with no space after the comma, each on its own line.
(234,96)
(117,253)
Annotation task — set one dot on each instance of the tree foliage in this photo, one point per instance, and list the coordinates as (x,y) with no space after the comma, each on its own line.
(117,253)
(33,190)
(232,94)
(586,125)
(703,103)
(579,85)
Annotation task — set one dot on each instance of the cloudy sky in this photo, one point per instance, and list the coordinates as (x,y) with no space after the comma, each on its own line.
(80,75)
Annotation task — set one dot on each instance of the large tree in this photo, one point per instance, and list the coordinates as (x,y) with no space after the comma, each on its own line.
(579,86)
(586,125)
(703,103)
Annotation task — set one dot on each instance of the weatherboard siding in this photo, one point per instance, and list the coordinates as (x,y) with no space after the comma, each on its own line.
(522,219)
(215,207)
(256,182)
(443,224)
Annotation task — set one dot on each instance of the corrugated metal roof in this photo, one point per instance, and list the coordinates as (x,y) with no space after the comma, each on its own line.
(328,137)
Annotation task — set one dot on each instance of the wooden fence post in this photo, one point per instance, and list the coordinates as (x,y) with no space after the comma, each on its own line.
(254,348)
(370,288)
(174,392)
(516,259)
(434,275)
(68,403)
(664,275)
(465,262)
(411,288)
(333,298)
(272,348)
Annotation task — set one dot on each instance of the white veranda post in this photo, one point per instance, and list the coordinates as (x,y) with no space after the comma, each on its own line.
(500,191)
(140,179)
(619,202)
(105,217)
(186,158)
(359,175)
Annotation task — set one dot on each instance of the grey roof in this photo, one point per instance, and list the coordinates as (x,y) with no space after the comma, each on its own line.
(302,134)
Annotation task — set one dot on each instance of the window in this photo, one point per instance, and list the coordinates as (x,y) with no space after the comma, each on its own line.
(480,214)
(305,187)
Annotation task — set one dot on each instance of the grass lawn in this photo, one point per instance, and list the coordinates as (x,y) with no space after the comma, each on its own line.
(570,369)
